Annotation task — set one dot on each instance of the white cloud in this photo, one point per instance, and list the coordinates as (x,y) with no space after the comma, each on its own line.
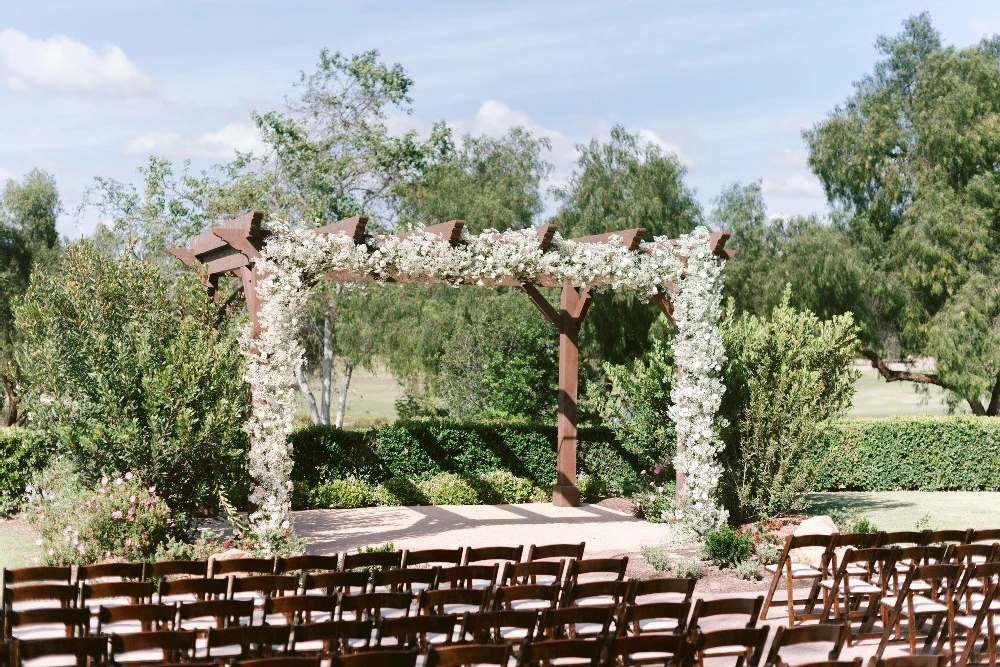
(799,185)
(652,137)
(6,175)
(64,65)
(222,145)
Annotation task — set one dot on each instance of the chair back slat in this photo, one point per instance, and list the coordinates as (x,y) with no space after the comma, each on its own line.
(480,554)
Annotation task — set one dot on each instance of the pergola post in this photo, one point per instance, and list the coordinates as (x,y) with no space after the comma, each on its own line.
(573,307)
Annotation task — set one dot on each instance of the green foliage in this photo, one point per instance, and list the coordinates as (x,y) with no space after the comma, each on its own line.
(910,158)
(766,552)
(658,558)
(785,377)
(688,569)
(910,453)
(749,570)
(210,542)
(81,523)
(447,488)
(638,409)
(344,494)
(418,449)
(655,502)
(491,183)
(399,491)
(591,488)
(23,453)
(726,547)
(128,372)
(502,487)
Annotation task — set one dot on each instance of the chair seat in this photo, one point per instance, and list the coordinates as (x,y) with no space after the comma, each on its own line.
(921,604)
(968,622)
(857,587)
(798,570)
(657,625)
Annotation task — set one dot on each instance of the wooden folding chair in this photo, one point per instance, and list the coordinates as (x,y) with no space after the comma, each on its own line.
(834,634)
(307,563)
(533,572)
(375,606)
(467,655)
(331,583)
(786,568)
(949,536)
(845,591)
(469,576)
(660,649)
(373,559)
(279,661)
(545,652)
(576,622)
(926,592)
(124,592)
(419,632)
(192,590)
(111,571)
(39,595)
(297,609)
(166,646)
(453,601)
(985,535)
(246,641)
(47,622)
(440,557)
(741,608)
(498,554)
(123,619)
(333,637)
(214,613)
(550,551)
(383,658)
(91,651)
(259,586)
(240,566)
(662,589)
(980,623)
(910,661)
(498,627)
(655,618)
(902,538)
(600,568)
(170,569)
(526,596)
(412,580)
(747,644)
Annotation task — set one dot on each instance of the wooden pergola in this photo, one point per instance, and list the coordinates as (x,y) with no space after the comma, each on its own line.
(233,249)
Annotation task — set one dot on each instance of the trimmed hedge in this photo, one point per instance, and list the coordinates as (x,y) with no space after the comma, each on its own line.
(23,452)
(911,453)
(421,448)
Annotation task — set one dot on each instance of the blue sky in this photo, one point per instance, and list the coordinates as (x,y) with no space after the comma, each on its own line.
(92,88)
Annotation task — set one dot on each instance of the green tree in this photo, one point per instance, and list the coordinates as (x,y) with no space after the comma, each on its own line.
(490,183)
(786,376)
(130,373)
(28,242)
(910,159)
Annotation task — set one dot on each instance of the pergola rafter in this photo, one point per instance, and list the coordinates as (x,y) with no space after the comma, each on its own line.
(235,247)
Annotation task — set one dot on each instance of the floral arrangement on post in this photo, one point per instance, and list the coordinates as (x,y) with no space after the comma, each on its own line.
(296,259)
(698,388)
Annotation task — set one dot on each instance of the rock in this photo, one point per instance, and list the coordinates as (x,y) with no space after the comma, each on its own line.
(230,554)
(816,525)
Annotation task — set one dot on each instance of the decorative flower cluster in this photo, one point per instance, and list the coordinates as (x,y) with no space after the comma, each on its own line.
(697,391)
(296,259)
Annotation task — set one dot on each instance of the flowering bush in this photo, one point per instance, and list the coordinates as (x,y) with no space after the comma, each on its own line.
(294,260)
(211,542)
(119,517)
(656,503)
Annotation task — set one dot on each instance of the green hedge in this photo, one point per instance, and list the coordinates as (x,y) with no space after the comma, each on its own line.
(911,453)
(22,453)
(420,448)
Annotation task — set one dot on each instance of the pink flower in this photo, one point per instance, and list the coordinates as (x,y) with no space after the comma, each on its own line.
(51,552)
(104,480)
(128,541)
(652,498)
(119,481)
(657,470)
(660,489)
(80,548)
(117,514)
(129,475)
(131,499)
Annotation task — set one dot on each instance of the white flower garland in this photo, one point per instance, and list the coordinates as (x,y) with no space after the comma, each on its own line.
(294,260)
(697,392)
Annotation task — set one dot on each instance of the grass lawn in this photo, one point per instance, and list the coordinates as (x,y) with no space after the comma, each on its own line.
(17,544)
(902,510)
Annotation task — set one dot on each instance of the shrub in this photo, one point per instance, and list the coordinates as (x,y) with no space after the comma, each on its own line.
(786,376)
(658,558)
(210,542)
(910,453)
(344,494)
(23,453)
(591,488)
(321,453)
(399,491)
(656,503)
(688,569)
(726,547)
(79,524)
(749,570)
(504,487)
(449,489)
(130,372)
(766,553)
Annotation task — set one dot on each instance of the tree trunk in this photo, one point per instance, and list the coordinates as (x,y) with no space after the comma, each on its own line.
(890,375)
(11,418)
(326,390)
(310,399)
(345,384)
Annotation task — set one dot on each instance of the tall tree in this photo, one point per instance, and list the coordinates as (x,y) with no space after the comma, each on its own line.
(911,160)
(28,242)
(621,184)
